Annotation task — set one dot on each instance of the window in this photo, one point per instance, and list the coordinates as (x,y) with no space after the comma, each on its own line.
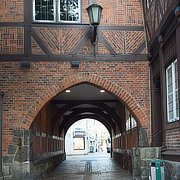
(78,143)
(44,10)
(69,10)
(172,92)
(56,10)
(147,4)
(130,123)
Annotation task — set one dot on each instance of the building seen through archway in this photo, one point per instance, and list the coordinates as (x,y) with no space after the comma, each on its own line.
(87,136)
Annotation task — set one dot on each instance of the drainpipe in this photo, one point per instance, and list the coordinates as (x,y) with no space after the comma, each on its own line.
(1,124)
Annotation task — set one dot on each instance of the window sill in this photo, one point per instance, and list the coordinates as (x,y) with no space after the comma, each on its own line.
(172,125)
(59,23)
(171,155)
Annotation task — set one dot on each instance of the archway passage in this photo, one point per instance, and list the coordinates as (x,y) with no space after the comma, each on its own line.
(83,100)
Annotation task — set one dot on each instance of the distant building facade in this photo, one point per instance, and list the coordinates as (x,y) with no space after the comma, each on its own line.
(86,136)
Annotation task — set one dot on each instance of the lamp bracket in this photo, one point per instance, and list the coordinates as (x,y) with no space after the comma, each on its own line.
(93,33)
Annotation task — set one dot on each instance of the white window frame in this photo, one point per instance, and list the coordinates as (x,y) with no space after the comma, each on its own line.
(174,90)
(56,13)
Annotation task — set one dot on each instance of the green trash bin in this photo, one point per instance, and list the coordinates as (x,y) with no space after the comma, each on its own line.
(156,169)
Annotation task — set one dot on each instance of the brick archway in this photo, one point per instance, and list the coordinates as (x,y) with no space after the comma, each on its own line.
(111,87)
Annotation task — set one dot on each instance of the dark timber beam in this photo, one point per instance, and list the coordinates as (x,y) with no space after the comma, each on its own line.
(103,106)
(40,42)
(72,26)
(81,43)
(106,44)
(79,57)
(27,27)
(96,117)
(140,48)
(64,109)
(1,126)
(95,112)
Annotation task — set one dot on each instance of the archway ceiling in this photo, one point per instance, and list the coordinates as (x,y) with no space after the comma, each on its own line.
(85,97)
(84,92)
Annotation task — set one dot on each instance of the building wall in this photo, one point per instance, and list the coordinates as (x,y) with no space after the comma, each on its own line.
(163,29)
(22,88)
(117,63)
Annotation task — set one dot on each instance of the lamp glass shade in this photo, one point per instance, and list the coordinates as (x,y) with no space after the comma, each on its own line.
(94,12)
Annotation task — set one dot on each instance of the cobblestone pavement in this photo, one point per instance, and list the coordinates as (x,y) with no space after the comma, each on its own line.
(96,166)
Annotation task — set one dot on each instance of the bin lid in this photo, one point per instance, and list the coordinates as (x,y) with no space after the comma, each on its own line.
(155,160)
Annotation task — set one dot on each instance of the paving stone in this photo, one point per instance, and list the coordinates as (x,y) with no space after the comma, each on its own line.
(97,166)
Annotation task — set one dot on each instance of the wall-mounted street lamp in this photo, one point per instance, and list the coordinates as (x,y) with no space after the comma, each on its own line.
(94,13)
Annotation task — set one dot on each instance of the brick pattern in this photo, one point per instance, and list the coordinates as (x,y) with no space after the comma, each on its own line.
(145,51)
(114,12)
(133,40)
(50,36)
(124,42)
(173,139)
(28,90)
(101,48)
(121,12)
(84,14)
(60,41)
(63,41)
(11,40)
(116,39)
(11,11)
(86,49)
(35,47)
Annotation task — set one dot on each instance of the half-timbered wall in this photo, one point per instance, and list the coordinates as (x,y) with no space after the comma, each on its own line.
(117,63)
(162,30)
(120,34)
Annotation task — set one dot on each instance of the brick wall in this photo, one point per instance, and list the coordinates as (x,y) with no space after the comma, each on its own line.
(11,40)
(173,139)
(117,12)
(27,90)
(64,40)
(121,12)
(11,11)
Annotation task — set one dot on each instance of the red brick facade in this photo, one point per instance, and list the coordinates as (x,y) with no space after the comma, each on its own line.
(173,139)
(11,40)
(28,90)
(11,11)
